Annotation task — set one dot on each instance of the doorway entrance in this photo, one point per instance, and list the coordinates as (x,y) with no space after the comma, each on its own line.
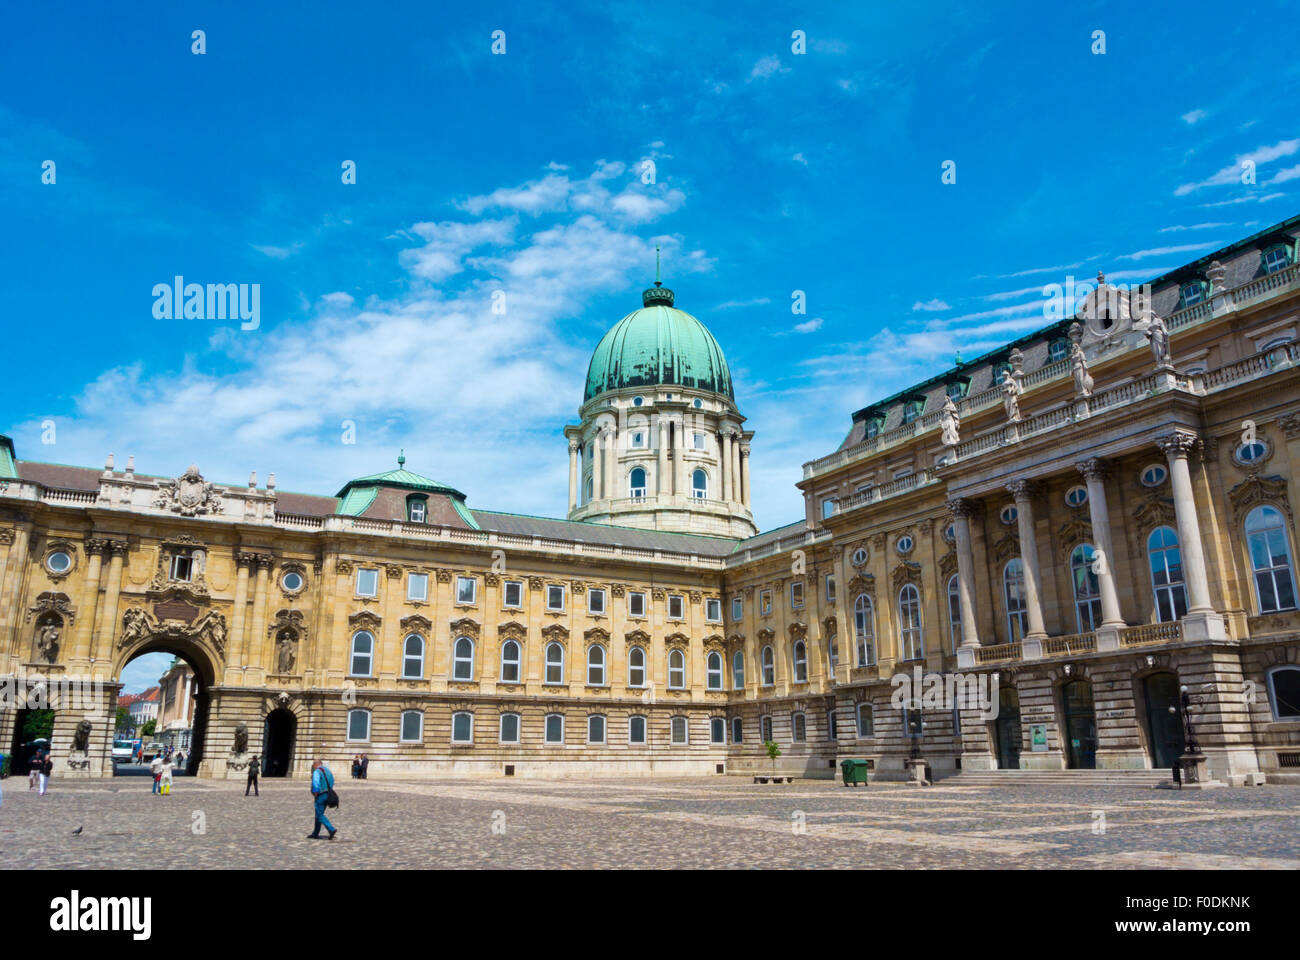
(278,735)
(1164,719)
(33,730)
(1008,729)
(1080,726)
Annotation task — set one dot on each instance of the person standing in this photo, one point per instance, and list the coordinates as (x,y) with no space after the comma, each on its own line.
(365,767)
(322,781)
(47,768)
(34,769)
(165,782)
(155,768)
(253,766)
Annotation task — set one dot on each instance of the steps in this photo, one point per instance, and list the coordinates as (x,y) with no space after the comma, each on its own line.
(1056,778)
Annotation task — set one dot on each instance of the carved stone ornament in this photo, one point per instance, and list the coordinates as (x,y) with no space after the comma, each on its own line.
(948,564)
(140,624)
(578,587)
(49,601)
(677,640)
(618,589)
(466,627)
(1290,424)
(442,575)
(797,631)
(1155,511)
(81,739)
(714,640)
(1008,546)
(737,639)
(657,593)
(188,495)
(637,636)
(240,744)
(696,596)
(512,630)
(862,583)
(596,634)
(1075,530)
(416,624)
(535,583)
(1257,489)
(364,620)
(555,631)
(1177,444)
(907,571)
(828,624)
(344,567)
(766,634)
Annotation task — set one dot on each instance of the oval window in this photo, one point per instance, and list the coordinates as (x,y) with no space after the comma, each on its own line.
(58,562)
(1076,496)
(904,544)
(1008,515)
(698,403)
(1251,452)
(1153,475)
(637,401)
(292,581)
(859,557)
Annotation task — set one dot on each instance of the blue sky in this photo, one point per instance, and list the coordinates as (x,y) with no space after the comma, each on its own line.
(774,172)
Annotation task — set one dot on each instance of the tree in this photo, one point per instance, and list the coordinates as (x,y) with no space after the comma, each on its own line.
(148,729)
(773,751)
(123,719)
(38,724)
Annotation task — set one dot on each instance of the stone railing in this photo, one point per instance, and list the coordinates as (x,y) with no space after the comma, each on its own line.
(299,521)
(885,490)
(998,653)
(1069,646)
(1147,633)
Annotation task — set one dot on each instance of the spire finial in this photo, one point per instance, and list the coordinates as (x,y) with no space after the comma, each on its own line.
(658,282)
(401,459)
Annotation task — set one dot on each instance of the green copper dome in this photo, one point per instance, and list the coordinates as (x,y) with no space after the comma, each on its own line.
(658,344)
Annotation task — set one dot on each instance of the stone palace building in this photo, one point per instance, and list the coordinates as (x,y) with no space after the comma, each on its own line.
(1094,522)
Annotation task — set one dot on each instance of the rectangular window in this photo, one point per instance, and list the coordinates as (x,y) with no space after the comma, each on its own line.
(636,730)
(638,440)
(679,730)
(636,604)
(713,610)
(417,511)
(737,608)
(765,602)
(554,596)
(554,728)
(417,586)
(796,594)
(831,731)
(466,588)
(359,725)
(676,608)
(182,567)
(828,508)
(462,727)
(514,594)
(509,728)
(596,601)
(830,588)
(699,441)
(718,730)
(367,583)
(412,726)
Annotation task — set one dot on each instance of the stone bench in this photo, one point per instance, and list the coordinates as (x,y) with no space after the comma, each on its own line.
(772,779)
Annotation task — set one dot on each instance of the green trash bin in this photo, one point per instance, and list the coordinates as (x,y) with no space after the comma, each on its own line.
(855,772)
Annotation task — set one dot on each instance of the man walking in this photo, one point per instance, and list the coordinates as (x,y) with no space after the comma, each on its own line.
(155,768)
(47,768)
(253,766)
(322,781)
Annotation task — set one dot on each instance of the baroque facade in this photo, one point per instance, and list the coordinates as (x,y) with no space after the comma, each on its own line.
(1090,521)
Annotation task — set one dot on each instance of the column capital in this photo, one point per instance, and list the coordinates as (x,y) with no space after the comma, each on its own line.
(1178,444)
(1023,490)
(1093,468)
(962,507)
(573,444)
(744,450)
(96,545)
(118,548)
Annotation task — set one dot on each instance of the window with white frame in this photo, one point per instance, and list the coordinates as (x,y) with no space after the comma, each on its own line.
(513,594)
(510,661)
(413,657)
(596,602)
(417,587)
(553,728)
(796,594)
(1276,258)
(713,671)
(954,611)
(412,726)
(713,610)
(832,652)
(909,623)
(182,565)
(864,630)
(636,667)
(828,508)
(679,732)
(635,604)
(358,724)
(1013,593)
(830,588)
(799,660)
(866,721)
(363,653)
(676,670)
(416,509)
(1270,559)
(798,728)
(554,663)
(738,670)
(765,727)
(636,484)
(717,730)
(1284,692)
(367,582)
(639,441)
(554,597)
(1087,589)
(636,729)
(509,728)
(768,661)
(676,607)
(462,727)
(462,665)
(698,441)
(466,589)
(737,608)
(596,728)
(699,484)
(1191,293)
(832,731)
(1167,575)
(595,665)
(737,730)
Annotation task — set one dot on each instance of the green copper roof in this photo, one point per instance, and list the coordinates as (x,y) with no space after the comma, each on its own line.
(8,464)
(658,344)
(357,495)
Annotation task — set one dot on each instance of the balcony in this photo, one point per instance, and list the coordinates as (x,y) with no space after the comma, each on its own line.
(1078,644)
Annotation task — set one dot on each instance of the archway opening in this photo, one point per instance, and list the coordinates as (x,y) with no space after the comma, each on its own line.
(1165,742)
(33,730)
(1007,728)
(1080,725)
(278,736)
(164,707)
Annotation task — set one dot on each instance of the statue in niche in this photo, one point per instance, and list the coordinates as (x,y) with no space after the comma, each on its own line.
(47,640)
(286,652)
(241,738)
(949,423)
(1011,391)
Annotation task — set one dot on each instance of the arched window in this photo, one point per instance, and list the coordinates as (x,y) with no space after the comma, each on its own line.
(799,656)
(553,728)
(596,666)
(363,653)
(909,622)
(866,722)
(714,671)
(636,667)
(737,730)
(1087,592)
(462,727)
(798,728)
(699,484)
(412,726)
(596,728)
(554,663)
(676,670)
(358,724)
(1013,591)
(510,661)
(636,729)
(679,731)
(1270,559)
(954,610)
(413,657)
(462,667)
(833,652)
(1167,575)
(509,728)
(769,667)
(1284,692)
(765,727)
(738,670)
(636,483)
(864,630)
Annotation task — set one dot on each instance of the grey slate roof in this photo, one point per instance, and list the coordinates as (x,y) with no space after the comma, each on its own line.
(577,530)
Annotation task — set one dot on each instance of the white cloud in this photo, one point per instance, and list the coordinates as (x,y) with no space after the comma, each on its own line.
(278,253)
(1235,200)
(1195,226)
(1233,171)
(766,67)
(1163,251)
(800,158)
(1192,116)
(808,326)
(930,305)
(1282,176)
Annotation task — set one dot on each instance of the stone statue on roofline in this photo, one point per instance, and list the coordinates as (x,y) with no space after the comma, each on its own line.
(1011,390)
(1079,363)
(1158,334)
(949,423)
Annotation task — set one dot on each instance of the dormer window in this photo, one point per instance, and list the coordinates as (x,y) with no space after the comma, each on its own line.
(873,428)
(1057,350)
(912,410)
(1276,258)
(957,389)
(1191,294)
(999,369)
(417,509)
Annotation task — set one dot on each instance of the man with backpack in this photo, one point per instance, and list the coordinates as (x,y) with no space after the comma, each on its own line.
(322,792)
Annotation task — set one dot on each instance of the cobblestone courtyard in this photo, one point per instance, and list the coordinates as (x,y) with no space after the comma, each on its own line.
(691,823)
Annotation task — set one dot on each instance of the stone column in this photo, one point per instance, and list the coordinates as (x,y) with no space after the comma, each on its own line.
(89,600)
(725,464)
(962,510)
(237,615)
(1202,621)
(734,492)
(10,595)
(744,474)
(679,459)
(663,481)
(573,474)
(112,592)
(598,457)
(611,463)
(1094,472)
(1023,491)
(253,644)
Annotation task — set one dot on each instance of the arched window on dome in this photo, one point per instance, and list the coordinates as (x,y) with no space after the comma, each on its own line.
(699,484)
(636,483)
